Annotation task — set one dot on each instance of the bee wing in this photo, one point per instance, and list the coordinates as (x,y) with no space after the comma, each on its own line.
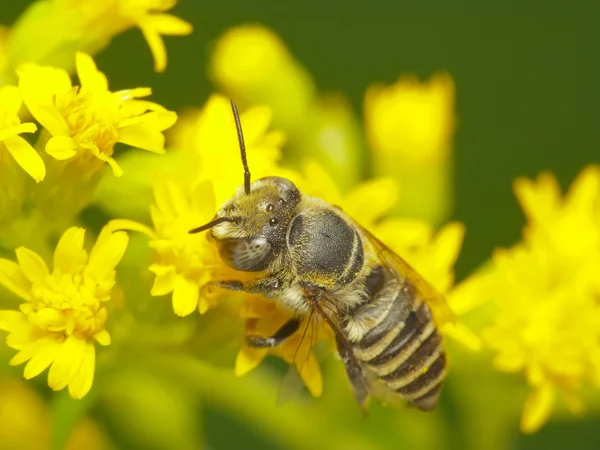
(436,301)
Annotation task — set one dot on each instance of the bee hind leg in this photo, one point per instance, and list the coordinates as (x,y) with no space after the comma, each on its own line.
(356,376)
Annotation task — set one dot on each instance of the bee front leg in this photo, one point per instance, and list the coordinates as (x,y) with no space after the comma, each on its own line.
(266,286)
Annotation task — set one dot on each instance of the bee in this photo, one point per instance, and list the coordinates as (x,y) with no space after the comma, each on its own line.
(311,257)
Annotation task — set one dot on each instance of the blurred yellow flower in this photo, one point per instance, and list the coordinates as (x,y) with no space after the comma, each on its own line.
(252,65)
(570,227)
(65,311)
(409,126)
(86,122)
(10,128)
(548,293)
(410,119)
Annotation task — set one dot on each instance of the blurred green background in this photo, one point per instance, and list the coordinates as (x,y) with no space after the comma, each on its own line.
(527,100)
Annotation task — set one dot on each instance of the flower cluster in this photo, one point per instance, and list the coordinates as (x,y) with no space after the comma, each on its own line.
(548,291)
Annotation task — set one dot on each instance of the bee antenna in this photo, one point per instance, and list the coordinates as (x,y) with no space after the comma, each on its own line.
(210,224)
(238,126)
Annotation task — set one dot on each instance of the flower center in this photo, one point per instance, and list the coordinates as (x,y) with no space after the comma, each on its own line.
(69,304)
(91,121)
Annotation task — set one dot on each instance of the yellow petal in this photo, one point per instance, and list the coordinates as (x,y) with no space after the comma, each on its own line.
(143,136)
(89,75)
(360,204)
(62,147)
(462,334)
(82,380)
(28,127)
(68,361)
(10,100)
(185,296)
(51,119)
(9,320)
(537,408)
(157,46)
(13,278)
(26,157)
(102,338)
(106,254)
(42,359)
(125,224)
(34,267)
(164,283)
(310,372)
(448,243)
(248,359)
(69,254)
(168,25)
(39,86)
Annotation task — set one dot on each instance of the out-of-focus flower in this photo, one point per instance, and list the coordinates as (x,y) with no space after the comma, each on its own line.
(411,120)
(26,422)
(252,65)
(24,417)
(548,293)
(88,26)
(409,127)
(64,311)
(86,122)
(10,128)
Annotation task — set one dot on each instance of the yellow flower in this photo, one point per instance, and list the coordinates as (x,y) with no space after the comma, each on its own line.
(86,122)
(548,294)
(51,30)
(570,227)
(412,119)
(64,311)
(10,128)
(115,16)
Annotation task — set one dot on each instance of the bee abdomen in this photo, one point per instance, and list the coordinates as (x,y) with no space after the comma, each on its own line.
(408,356)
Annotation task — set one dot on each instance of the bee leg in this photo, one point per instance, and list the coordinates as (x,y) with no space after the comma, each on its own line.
(355,374)
(266,286)
(286,330)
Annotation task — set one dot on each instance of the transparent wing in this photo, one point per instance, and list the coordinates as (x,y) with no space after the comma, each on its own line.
(436,301)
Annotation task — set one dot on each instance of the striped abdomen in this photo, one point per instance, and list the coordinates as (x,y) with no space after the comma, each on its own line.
(403,348)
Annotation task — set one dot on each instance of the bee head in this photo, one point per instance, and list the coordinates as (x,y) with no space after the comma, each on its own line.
(250,228)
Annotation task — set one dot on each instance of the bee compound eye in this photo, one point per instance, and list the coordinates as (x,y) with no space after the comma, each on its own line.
(273,221)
